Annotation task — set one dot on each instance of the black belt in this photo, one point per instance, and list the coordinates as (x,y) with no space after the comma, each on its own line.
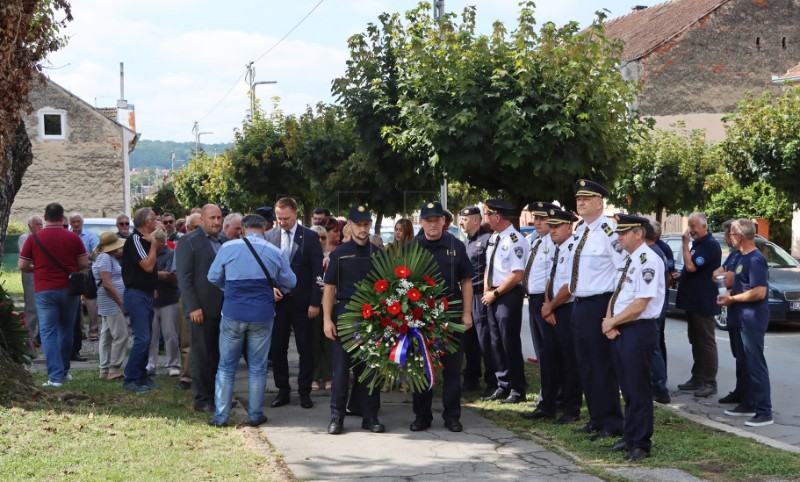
(589,298)
(531,295)
(636,322)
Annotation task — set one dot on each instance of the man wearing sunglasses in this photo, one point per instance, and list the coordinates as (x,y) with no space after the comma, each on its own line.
(123,226)
(168,219)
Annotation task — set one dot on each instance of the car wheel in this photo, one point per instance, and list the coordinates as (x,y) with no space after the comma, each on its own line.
(721,320)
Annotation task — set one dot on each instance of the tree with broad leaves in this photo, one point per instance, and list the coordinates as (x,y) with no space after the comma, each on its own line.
(525,113)
(205,180)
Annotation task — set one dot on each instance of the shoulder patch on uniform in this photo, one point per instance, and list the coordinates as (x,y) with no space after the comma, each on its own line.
(739,269)
(518,251)
(607,229)
(643,258)
(514,237)
(617,246)
(700,261)
(648,274)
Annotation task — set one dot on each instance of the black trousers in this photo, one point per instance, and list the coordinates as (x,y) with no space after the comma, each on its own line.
(477,345)
(451,390)
(205,357)
(359,397)
(291,315)
(595,365)
(557,364)
(505,326)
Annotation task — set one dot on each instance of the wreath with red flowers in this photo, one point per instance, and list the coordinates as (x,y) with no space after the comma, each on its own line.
(399,323)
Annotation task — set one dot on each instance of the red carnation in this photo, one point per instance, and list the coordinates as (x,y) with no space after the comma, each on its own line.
(416,313)
(431,303)
(394,308)
(414,294)
(429,281)
(381,286)
(446,305)
(403,329)
(366,310)
(385,322)
(383,301)
(402,272)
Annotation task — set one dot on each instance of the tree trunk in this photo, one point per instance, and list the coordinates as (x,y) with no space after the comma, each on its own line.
(660,212)
(15,157)
(378,222)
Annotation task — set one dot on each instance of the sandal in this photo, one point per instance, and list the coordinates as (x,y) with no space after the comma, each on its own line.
(314,386)
(327,384)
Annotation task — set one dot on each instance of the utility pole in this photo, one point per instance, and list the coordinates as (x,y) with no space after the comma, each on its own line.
(250,78)
(438,15)
(197,134)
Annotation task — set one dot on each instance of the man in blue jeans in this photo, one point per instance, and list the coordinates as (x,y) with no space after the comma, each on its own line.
(248,312)
(139,275)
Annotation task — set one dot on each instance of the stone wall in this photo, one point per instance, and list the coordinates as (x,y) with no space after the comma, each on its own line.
(710,66)
(84,172)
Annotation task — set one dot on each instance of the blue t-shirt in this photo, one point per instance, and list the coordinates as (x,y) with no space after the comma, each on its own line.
(697,292)
(730,266)
(751,272)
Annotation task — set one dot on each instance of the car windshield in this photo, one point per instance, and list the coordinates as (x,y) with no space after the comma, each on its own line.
(776,256)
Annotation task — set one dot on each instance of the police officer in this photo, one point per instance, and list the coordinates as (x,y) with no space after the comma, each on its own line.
(630,324)
(451,256)
(594,265)
(268,213)
(477,343)
(503,295)
(349,264)
(557,364)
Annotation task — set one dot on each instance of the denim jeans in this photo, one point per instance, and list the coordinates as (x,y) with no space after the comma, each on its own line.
(56,310)
(234,336)
(139,307)
(753,343)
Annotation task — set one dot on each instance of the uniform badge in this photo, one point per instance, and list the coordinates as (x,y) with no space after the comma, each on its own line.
(630,271)
(575,237)
(648,274)
(700,261)
(514,237)
(579,223)
(643,258)
(361,209)
(617,246)
(570,246)
(518,251)
(607,229)
(546,250)
(739,269)
(561,260)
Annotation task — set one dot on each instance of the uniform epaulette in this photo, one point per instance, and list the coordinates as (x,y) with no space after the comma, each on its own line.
(607,229)
(579,223)
(514,237)
(643,258)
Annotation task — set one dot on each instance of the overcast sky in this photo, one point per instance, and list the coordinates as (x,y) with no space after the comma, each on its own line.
(183,56)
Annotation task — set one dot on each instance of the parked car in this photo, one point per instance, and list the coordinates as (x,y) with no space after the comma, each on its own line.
(784,279)
(100,225)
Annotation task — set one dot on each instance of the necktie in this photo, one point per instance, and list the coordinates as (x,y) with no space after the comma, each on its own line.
(573,283)
(287,245)
(491,262)
(621,281)
(527,274)
(550,292)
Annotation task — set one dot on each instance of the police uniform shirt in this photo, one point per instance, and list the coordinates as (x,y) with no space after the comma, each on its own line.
(697,292)
(563,274)
(599,257)
(644,278)
(476,252)
(540,268)
(349,263)
(510,254)
(730,265)
(751,272)
(451,256)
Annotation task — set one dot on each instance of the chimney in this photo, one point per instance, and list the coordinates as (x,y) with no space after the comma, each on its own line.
(122,103)
(636,8)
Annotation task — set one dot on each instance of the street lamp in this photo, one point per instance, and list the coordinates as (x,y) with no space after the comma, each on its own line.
(250,78)
(197,134)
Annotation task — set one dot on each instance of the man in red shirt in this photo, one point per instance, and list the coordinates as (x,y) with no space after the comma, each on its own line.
(50,254)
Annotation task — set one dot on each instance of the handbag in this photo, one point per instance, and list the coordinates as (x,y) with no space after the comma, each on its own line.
(77,279)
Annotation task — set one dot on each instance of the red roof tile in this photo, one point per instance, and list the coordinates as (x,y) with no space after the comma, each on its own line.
(792,73)
(644,30)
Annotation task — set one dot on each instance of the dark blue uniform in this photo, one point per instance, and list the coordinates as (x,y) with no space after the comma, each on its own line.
(659,370)
(662,342)
(451,256)
(349,264)
(477,342)
(735,337)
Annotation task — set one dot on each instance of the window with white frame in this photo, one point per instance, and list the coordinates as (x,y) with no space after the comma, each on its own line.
(52,123)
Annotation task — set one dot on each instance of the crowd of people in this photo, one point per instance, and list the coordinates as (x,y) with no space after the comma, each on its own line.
(217,286)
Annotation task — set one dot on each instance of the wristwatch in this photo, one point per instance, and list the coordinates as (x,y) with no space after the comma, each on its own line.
(496,294)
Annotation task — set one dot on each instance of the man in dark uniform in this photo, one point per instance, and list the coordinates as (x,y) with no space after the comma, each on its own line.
(268,213)
(349,263)
(733,323)
(697,296)
(451,256)
(630,324)
(477,342)
(503,296)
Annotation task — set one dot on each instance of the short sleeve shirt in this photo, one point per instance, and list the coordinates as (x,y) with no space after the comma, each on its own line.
(644,278)
(751,272)
(510,251)
(543,249)
(598,257)
(451,256)
(62,244)
(105,263)
(136,249)
(730,266)
(563,273)
(476,251)
(697,292)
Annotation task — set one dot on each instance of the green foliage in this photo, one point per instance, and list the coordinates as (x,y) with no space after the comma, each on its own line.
(762,140)
(163,201)
(206,180)
(14,338)
(669,169)
(159,153)
(16,227)
(461,195)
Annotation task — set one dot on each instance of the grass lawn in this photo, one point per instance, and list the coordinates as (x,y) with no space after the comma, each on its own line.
(677,443)
(92,430)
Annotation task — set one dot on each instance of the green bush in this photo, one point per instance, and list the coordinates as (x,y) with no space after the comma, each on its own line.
(16,227)
(14,336)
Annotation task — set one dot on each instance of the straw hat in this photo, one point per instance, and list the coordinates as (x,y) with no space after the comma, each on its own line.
(109,242)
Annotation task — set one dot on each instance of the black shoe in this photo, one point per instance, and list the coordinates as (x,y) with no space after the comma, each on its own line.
(731,397)
(487,392)
(207,407)
(513,399)
(184,385)
(373,425)
(567,419)
(419,424)
(537,414)
(280,400)
(706,391)
(305,401)
(214,423)
(498,394)
(335,427)
(620,446)
(79,358)
(601,435)
(662,399)
(453,425)
(256,423)
(586,429)
(691,385)
(637,454)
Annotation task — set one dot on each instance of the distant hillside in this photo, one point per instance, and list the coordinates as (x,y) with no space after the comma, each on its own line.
(158,153)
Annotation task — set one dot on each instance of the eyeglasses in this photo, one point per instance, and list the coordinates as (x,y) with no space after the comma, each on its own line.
(168,221)
(123,224)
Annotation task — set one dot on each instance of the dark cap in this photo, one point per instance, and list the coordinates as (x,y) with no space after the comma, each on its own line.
(266,212)
(469,211)
(431,209)
(559,216)
(503,208)
(359,213)
(585,187)
(626,222)
(540,208)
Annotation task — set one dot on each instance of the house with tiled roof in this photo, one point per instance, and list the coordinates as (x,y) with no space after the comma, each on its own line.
(695,59)
(791,77)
